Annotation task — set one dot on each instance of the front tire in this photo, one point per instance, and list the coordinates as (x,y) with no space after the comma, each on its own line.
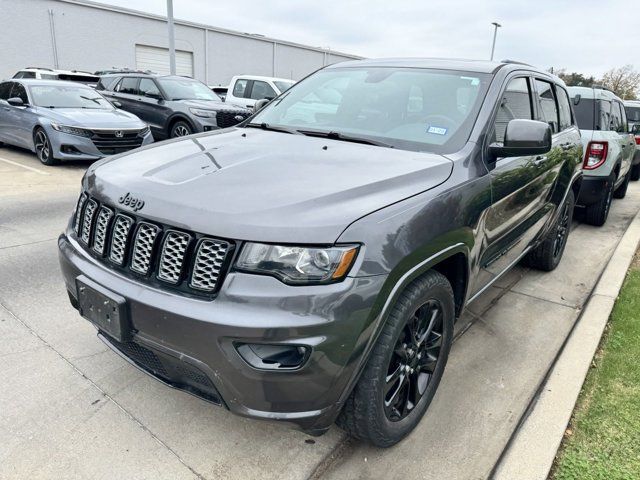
(44,151)
(405,366)
(635,172)
(548,254)
(180,129)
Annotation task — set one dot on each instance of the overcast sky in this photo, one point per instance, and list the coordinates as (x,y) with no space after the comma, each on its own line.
(588,36)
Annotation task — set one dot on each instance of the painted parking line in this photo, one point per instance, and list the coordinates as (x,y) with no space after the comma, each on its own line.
(23,166)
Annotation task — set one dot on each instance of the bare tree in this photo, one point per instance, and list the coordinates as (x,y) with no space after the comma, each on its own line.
(624,81)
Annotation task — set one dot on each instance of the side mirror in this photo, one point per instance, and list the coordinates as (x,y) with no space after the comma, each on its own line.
(15,102)
(636,129)
(523,138)
(116,104)
(260,104)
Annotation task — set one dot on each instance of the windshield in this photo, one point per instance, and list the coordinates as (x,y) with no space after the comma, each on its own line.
(64,96)
(186,89)
(408,108)
(633,114)
(283,86)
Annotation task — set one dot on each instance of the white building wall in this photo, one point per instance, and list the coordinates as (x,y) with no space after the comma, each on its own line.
(91,36)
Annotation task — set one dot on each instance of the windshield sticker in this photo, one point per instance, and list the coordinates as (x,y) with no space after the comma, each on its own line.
(437,130)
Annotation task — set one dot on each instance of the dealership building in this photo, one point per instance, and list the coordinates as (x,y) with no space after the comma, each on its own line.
(90,36)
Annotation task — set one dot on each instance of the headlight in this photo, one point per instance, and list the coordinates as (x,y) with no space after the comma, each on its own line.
(298,265)
(203,113)
(81,132)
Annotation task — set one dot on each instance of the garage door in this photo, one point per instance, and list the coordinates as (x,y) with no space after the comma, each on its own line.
(157,60)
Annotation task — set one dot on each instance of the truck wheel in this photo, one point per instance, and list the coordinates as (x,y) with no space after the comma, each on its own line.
(635,172)
(597,213)
(621,192)
(405,366)
(548,254)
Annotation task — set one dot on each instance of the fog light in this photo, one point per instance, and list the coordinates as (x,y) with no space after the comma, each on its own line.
(273,357)
(70,150)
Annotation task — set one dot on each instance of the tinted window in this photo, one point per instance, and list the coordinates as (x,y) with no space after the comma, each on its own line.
(633,114)
(604,117)
(148,87)
(565,108)
(240,88)
(616,117)
(5,90)
(107,83)
(19,91)
(623,118)
(515,104)
(128,85)
(549,107)
(262,90)
(374,103)
(585,113)
(25,75)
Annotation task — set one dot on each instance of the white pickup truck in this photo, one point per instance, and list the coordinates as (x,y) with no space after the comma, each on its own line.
(246,90)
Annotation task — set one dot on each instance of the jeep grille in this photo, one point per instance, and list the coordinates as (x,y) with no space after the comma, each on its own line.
(152,252)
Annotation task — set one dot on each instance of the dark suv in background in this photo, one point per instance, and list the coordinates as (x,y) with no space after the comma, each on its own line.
(309,265)
(173,106)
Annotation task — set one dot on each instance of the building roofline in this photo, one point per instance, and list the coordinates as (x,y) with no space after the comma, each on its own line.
(186,23)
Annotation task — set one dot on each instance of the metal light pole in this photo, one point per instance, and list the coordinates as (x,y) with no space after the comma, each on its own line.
(495,34)
(172,38)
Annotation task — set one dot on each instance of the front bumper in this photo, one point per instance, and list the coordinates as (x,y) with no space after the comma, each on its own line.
(332,320)
(84,147)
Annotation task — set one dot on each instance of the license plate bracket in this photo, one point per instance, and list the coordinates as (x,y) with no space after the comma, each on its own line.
(105,309)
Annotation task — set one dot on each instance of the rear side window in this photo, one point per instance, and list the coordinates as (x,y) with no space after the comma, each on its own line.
(565,108)
(548,105)
(515,104)
(240,88)
(622,127)
(25,75)
(604,115)
(5,90)
(585,113)
(616,117)
(128,85)
(633,114)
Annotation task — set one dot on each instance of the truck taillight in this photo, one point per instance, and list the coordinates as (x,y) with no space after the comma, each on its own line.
(596,155)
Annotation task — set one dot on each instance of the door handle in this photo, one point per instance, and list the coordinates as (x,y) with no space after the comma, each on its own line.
(539,160)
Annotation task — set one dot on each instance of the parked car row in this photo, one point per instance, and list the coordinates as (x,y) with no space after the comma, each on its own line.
(308,265)
(65,120)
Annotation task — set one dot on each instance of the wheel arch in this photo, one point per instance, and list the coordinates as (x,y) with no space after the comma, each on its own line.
(177,117)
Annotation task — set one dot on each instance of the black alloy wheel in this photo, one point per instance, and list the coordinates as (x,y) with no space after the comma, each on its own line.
(414,361)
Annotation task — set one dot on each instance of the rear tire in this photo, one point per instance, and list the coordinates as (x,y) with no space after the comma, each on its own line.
(43,148)
(621,192)
(405,366)
(635,172)
(548,254)
(597,213)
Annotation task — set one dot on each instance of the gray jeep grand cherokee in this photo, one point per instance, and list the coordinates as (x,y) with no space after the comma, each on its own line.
(308,265)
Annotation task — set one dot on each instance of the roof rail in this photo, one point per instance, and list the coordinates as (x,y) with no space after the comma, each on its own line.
(40,68)
(602,87)
(515,62)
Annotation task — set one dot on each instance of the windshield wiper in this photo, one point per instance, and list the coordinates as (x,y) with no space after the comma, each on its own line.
(345,138)
(94,99)
(273,128)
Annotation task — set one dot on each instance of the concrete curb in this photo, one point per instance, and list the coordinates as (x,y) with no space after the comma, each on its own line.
(533,447)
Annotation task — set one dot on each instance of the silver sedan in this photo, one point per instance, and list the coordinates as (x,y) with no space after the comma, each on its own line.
(66,121)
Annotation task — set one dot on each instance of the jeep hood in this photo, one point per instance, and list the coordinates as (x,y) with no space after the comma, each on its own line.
(249,184)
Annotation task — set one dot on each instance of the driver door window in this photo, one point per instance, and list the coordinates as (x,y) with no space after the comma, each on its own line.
(19,91)
(548,105)
(515,104)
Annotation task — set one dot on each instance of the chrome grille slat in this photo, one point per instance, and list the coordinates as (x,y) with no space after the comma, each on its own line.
(119,238)
(207,266)
(79,206)
(102,226)
(172,257)
(143,247)
(87,220)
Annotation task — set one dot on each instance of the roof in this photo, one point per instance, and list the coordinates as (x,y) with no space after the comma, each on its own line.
(273,79)
(478,66)
(35,81)
(51,70)
(592,92)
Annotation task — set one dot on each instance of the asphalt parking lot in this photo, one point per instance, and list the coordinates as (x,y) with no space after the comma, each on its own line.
(70,408)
